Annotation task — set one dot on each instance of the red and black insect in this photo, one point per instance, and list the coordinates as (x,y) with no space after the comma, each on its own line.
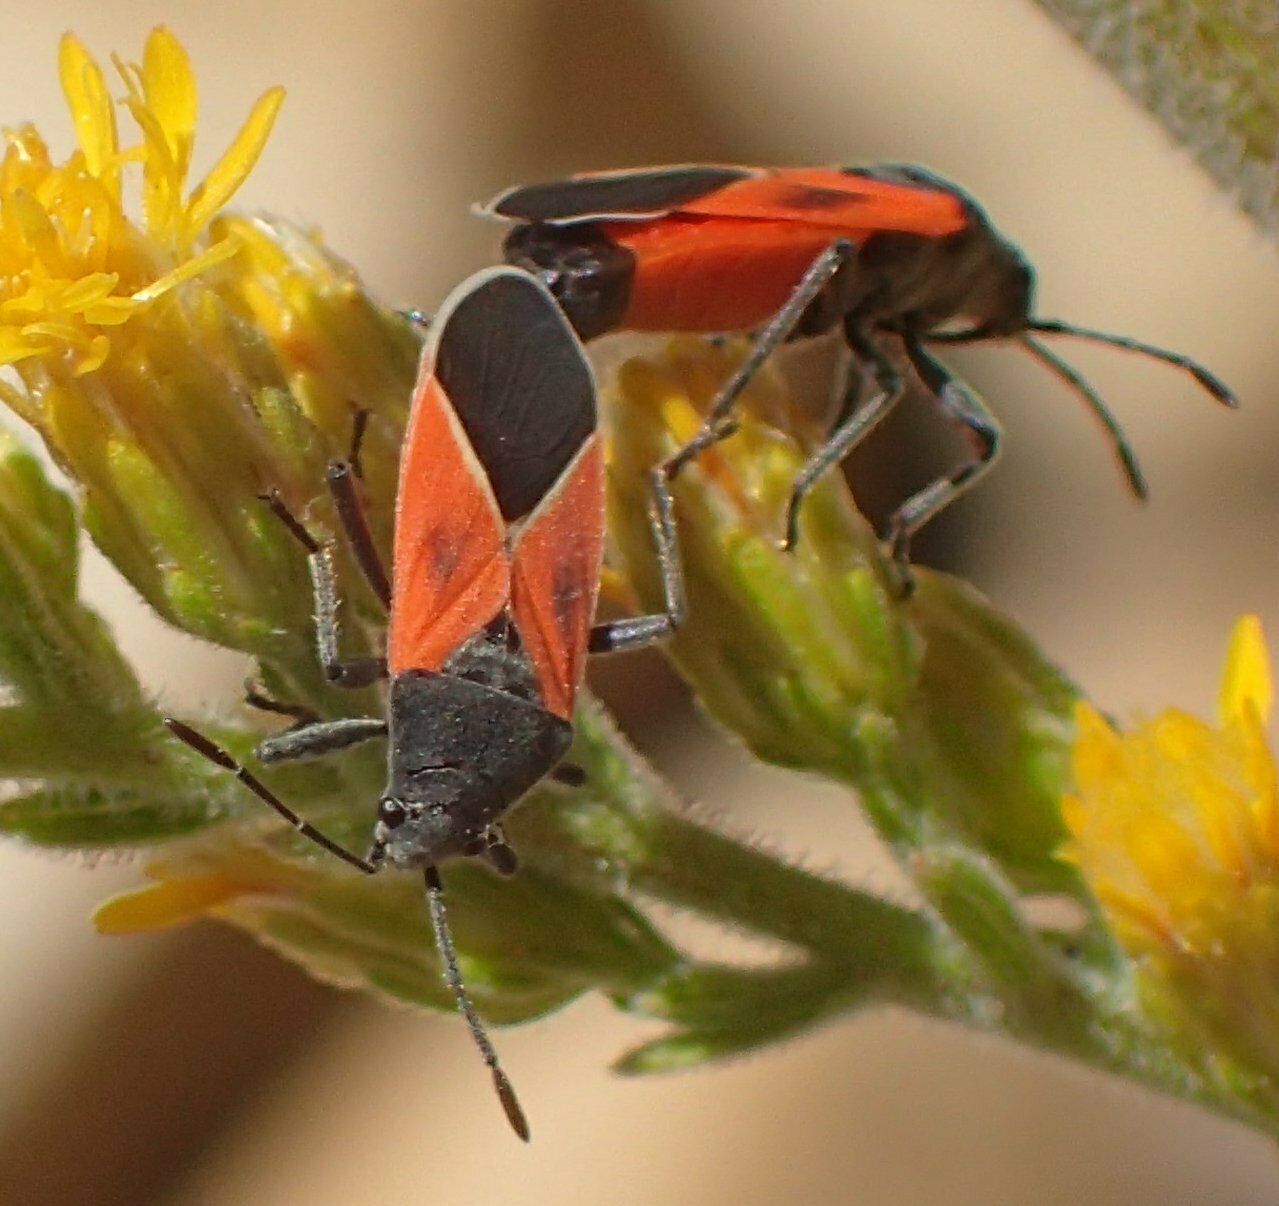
(892,253)
(499,538)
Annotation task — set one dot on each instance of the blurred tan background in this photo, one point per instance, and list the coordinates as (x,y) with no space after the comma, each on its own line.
(195,1069)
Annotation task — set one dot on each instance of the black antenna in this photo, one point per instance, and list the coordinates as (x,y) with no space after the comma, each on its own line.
(219,757)
(371,866)
(1128,458)
(1213,384)
(453,974)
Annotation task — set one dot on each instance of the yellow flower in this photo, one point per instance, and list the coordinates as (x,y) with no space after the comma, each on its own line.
(73,266)
(1175,827)
(179,363)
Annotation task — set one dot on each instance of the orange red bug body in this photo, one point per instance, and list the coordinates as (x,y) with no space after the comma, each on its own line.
(498,544)
(892,254)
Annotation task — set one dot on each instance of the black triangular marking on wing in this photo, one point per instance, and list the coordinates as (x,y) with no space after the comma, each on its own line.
(653,191)
(520,384)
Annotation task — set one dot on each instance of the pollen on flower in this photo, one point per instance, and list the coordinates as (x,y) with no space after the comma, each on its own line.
(1175,827)
(74,267)
(671,393)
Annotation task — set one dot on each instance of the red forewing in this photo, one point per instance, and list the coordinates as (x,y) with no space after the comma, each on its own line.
(450,570)
(712,274)
(555,577)
(502,450)
(849,201)
(853,205)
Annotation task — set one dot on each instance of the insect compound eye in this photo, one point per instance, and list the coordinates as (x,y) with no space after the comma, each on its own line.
(391,813)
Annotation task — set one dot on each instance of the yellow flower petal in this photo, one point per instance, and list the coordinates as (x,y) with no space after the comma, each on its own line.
(92,112)
(88,290)
(221,251)
(234,167)
(30,221)
(94,356)
(168,86)
(168,903)
(1097,746)
(14,347)
(162,182)
(1247,681)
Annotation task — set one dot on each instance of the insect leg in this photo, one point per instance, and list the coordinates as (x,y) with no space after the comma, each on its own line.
(342,478)
(716,426)
(321,737)
(970,414)
(852,423)
(356,672)
(637,631)
(217,755)
(310,736)
(493,847)
(256,697)
(569,774)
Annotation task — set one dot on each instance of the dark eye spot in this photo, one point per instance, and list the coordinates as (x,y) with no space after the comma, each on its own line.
(391,813)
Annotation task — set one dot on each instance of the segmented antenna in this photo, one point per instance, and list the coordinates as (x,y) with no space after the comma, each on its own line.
(1127,457)
(453,976)
(1210,382)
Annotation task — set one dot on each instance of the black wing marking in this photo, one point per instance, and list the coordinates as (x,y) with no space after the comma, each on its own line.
(645,193)
(519,382)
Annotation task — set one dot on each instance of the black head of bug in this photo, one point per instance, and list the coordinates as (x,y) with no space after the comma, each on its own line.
(981,277)
(916,283)
(461,753)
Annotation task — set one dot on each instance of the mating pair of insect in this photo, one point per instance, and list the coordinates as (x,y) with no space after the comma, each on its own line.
(499,525)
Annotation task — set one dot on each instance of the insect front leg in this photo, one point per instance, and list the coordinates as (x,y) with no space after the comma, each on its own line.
(309,736)
(717,426)
(638,631)
(320,737)
(962,407)
(353,672)
(852,423)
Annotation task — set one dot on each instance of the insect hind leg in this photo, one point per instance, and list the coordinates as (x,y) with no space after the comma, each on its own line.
(852,422)
(965,410)
(717,424)
(343,478)
(635,632)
